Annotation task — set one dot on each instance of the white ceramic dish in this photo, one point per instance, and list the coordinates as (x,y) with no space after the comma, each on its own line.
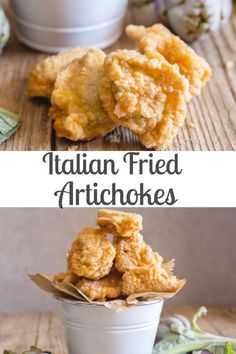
(92,328)
(68,13)
(58,25)
(55,40)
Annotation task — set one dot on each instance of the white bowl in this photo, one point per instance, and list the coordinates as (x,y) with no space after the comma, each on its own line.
(91,328)
(58,25)
(68,13)
(56,40)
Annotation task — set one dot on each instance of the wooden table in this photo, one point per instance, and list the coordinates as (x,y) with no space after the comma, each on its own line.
(211,122)
(19,332)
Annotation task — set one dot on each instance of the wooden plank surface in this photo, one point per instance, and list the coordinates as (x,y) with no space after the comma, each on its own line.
(18,332)
(211,121)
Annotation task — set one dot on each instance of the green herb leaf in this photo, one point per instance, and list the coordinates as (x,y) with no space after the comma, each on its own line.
(8,120)
(220,349)
(31,351)
(9,123)
(173,324)
(182,339)
(217,349)
(201,312)
(36,350)
(229,349)
(183,344)
(4,29)
(141,2)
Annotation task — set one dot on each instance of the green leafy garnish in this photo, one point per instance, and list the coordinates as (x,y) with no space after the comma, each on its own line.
(229,349)
(9,123)
(179,336)
(31,351)
(4,29)
(202,311)
(141,2)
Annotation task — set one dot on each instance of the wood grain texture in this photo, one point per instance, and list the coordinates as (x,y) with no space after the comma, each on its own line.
(19,332)
(211,121)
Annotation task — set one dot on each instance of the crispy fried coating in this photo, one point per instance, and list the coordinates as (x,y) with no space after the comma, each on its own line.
(169,267)
(91,254)
(146,94)
(119,223)
(76,107)
(158,258)
(66,277)
(108,287)
(159,39)
(149,279)
(43,76)
(60,276)
(132,252)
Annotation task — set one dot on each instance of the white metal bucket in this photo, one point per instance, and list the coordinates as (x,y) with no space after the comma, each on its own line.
(91,328)
(68,13)
(57,25)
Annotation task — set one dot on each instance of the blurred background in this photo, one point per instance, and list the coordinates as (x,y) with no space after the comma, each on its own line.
(203,242)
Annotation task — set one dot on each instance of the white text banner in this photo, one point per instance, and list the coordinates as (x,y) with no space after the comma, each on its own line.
(117,179)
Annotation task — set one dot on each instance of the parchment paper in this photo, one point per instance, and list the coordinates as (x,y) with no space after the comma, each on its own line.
(65,290)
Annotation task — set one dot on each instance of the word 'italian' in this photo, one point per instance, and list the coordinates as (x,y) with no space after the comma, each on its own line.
(82,164)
